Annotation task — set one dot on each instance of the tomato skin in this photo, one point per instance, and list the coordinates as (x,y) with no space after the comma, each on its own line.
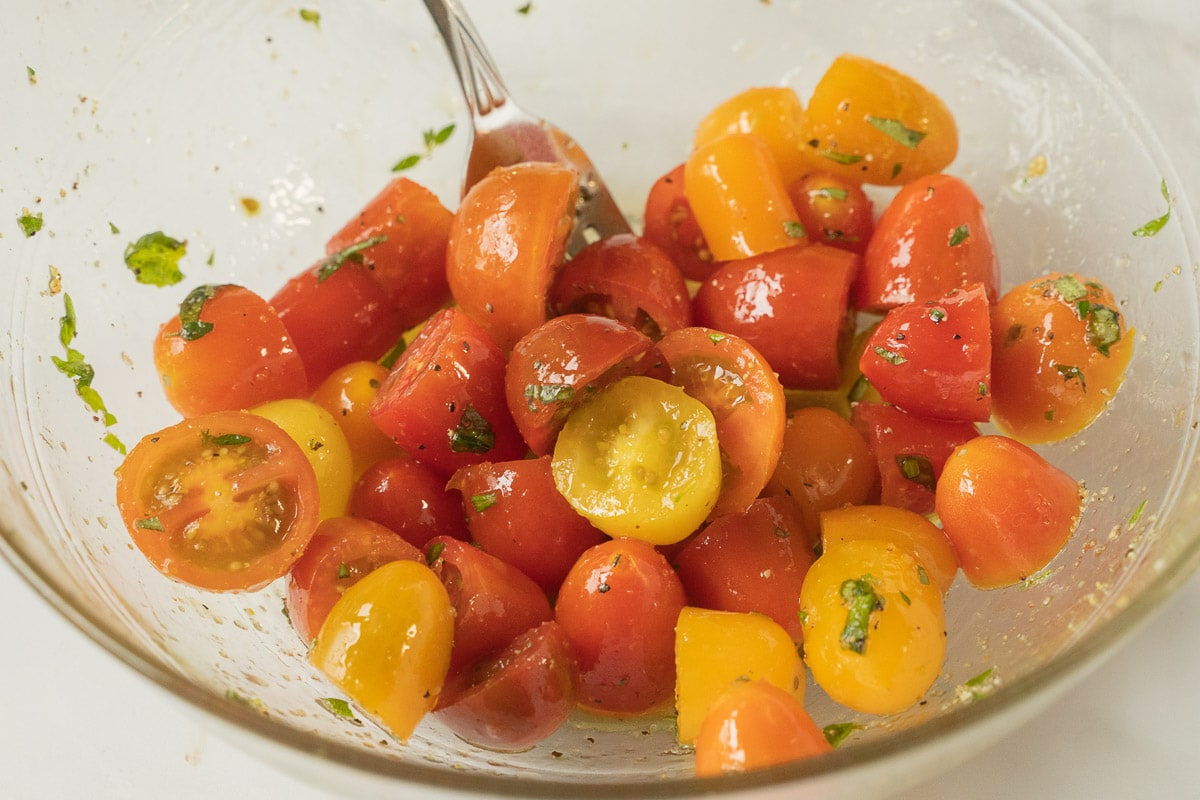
(342,551)
(933,237)
(834,211)
(934,358)
(409,498)
(791,305)
(756,725)
(1050,377)
(248,346)
(515,513)
(324,445)
(774,114)
(219,516)
(507,241)
(627,278)
(618,607)
(443,402)
(1007,511)
(560,363)
(512,701)
(493,601)
(737,384)
(670,224)
(410,263)
(908,530)
(751,561)
(386,644)
(347,394)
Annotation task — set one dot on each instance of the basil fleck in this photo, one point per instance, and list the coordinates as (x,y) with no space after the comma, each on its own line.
(343,571)
(482,502)
(832,192)
(981,684)
(890,356)
(537,395)
(223,439)
(473,434)
(525,9)
(918,469)
(898,130)
(1071,373)
(716,337)
(339,708)
(794,229)
(1137,514)
(1155,225)
(408,162)
(959,235)
(841,158)
(837,732)
(861,600)
(431,138)
(113,229)
(30,223)
(191,327)
(1103,328)
(434,552)
(922,575)
(1070,288)
(937,314)
(309,15)
(76,367)
(149,524)
(154,259)
(352,253)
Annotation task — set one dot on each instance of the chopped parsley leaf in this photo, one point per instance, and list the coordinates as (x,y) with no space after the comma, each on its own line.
(981,684)
(343,571)
(898,131)
(832,192)
(76,367)
(525,9)
(1155,225)
(960,235)
(1070,288)
(154,259)
(1071,373)
(841,158)
(1103,328)
(30,223)
(837,732)
(716,337)
(861,600)
(149,524)
(31,74)
(543,394)
(191,327)
(482,502)
(352,253)
(113,228)
(473,434)
(890,356)
(408,162)
(432,138)
(224,439)
(309,15)
(918,469)
(1137,514)
(434,552)
(794,229)
(339,708)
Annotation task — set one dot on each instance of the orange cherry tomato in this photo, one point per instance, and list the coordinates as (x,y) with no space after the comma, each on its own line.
(1059,353)
(347,395)
(1007,511)
(774,114)
(670,224)
(224,501)
(756,725)
(908,530)
(834,211)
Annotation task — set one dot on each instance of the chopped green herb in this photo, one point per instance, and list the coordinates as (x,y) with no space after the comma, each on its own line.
(918,469)
(832,192)
(1137,514)
(716,337)
(983,389)
(212,255)
(1155,225)
(76,367)
(224,439)
(1103,328)
(898,131)
(154,259)
(343,572)
(30,223)
(861,600)
(841,158)
(603,588)
(352,253)
(1070,373)
(309,15)
(191,327)
(408,162)
(922,575)
(837,732)
(473,434)
(114,229)
(907,600)
(431,138)
(339,708)
(959,235)
(149,524)
(859,389)
(890,356)
(779,532)
(1070,288)
(434,552)
(1048,415)
(896,168)
(67,326)
(525,9)
(392,356)
(537,395)
(482,502)
(802,615)
(937,314)
(794,229)
(30,74)
(981,684)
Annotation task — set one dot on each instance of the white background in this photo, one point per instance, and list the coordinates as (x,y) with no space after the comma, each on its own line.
(77,723)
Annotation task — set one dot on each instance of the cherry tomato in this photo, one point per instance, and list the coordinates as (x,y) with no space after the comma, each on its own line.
(618,607)
(347,394)
(409,498)
(670,224)
(774,114)
(1007,511)
(507,241)
(933,237)
(232,353)
(627,278)
(386,643)
(513,700)
(756,725)
(791,305)
(405,230)
(323,444)
(909,531)
(750,561)
(740,198)
(1059,353)
(493,601)
(560,363)
(224,501)
(825,464)
(443,402)
(934,358)
(341,552)
(640,459)
(834,211)
(852,387)
(716,650)
(874,628)
(738,385)
(870,123)
(515,513)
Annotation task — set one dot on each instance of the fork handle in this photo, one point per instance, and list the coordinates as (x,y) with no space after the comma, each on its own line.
(482,87)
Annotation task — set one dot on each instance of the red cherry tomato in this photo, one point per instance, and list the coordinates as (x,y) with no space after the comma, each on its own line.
(792,305)
(341,552)
(670,224)
(443,402)
(409,498)
(934,358)
(756,725)
(224,501)
(230,352)
(835,211)
(618,607)
(627,278)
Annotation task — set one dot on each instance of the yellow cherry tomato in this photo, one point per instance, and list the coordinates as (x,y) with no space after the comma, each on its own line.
(775,114)
(717,650)
(386,644)
(347,394)
(874,630)
(908,530)
(324,445)
(640,459)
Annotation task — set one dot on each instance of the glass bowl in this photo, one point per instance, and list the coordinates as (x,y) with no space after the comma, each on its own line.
(253,133)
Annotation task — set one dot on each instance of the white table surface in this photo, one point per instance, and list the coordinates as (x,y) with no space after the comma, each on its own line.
(76,723)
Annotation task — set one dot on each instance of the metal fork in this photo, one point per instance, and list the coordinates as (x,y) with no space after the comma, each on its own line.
(505,134)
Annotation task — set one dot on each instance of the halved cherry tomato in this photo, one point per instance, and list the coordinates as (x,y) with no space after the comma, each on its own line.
(386,643)
(670,224)
(791,305)
(405,229)
(347,394)
(872,124)
(908,530)
(515,699)
(224,501)
(323,444)
(934,358)
(515,513)
(628,278)
(230,352)
(834,211)
(933,237)
(752,561)
(1007,511)
(507,241)
(756,725)
(342,551)
(443,402)
(618,607)
(640,459)
(562,362)
(738,385)
(1059,353)
(774,114)
(409,498)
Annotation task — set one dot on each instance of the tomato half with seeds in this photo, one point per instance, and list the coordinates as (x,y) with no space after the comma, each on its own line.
(224,501)
(834,211)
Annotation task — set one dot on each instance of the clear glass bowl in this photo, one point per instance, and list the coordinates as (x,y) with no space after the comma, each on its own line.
(168,116)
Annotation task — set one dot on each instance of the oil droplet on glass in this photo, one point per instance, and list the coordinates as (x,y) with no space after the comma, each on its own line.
(250,206)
